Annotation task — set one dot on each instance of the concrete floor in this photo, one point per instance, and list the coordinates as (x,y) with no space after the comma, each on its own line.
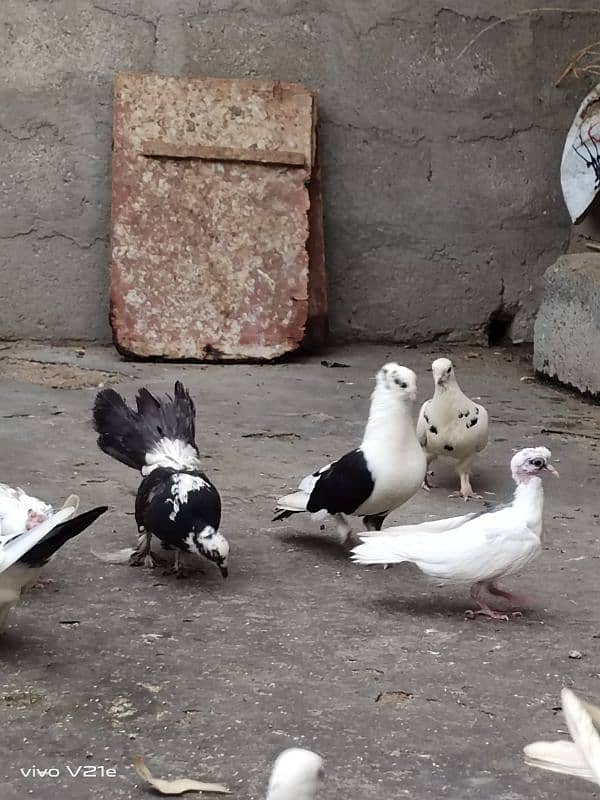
(376,670)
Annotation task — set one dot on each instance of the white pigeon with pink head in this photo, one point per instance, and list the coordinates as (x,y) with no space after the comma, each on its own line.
(478,548)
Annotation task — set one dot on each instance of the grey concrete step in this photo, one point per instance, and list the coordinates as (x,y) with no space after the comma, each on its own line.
(567,327)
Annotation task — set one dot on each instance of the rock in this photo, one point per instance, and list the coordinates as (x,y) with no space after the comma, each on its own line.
(567,327)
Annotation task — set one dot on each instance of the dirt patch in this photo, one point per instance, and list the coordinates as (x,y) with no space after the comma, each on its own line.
(55,376)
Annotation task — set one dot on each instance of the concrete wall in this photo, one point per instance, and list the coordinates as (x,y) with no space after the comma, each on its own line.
(443,204)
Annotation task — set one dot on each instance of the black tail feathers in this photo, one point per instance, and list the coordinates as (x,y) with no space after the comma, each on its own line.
(38,555)
(128,435)
(283,514)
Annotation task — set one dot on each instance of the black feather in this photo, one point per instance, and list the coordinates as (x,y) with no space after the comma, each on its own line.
(344,486)
(284,514)
(128,435)
(154,507)
(44,550)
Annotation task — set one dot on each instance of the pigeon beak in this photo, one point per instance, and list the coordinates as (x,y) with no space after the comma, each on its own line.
(552,470)
(224,571)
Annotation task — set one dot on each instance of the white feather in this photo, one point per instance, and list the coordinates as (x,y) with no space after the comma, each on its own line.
(581,757)
(296,775)
(171,454)
(13,547)
(15,505)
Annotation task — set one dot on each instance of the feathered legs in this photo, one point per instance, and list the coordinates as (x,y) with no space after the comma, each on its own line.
(373,522)
(143,554)
(464,473)
(344,529)
(426,485)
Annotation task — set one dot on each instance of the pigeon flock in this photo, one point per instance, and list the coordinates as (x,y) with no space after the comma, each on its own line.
(180,507)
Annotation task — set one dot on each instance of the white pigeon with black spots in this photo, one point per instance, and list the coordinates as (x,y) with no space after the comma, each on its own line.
(453,426)
(377,477)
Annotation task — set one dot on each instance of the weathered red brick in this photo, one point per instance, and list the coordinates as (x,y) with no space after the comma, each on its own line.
(210,254)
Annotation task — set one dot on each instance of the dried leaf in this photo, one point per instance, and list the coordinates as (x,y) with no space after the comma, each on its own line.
(178,786)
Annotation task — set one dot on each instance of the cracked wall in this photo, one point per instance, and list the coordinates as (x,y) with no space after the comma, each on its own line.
(441,167)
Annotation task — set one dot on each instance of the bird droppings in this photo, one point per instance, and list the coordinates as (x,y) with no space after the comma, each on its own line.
(398,696)
(576,654)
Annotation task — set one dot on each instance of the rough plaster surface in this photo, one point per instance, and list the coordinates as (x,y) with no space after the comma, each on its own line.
(567,327)
(213,678)
(442,198)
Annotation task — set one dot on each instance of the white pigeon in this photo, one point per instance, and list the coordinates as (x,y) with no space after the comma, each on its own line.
(581,757)
(478,548)
(382,474)
(296,775)
(452,426)
(24,553)
(19,511)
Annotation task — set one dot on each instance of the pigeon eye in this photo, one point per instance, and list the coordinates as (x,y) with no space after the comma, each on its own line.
(449,370)
(537,462)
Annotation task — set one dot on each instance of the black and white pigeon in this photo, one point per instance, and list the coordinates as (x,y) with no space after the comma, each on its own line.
(384,472)
(296,775)
(176,502)
(452,426)
(478,548)
(24,553)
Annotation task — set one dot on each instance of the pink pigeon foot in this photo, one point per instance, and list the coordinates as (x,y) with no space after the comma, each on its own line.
(515,600)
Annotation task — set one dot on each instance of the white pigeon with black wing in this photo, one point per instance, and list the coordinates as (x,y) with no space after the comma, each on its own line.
(384,472)
(24,553)
(176,501)
(580,757)
(296,775)
(478,548)
(452,425)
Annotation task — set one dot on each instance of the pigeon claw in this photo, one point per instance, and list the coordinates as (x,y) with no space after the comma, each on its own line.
(488,613)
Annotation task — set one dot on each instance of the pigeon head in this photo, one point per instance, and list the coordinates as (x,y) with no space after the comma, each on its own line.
(296,775)
(398,381)
(443,371)
(530,462)
(214,546)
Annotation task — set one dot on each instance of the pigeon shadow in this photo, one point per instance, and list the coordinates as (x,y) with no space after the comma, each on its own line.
(451,607)
(323,545)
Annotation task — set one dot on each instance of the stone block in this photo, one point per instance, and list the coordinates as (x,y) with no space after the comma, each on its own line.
(217,250)
(567,327)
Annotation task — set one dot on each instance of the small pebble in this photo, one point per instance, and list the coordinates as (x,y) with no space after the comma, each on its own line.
(575,654)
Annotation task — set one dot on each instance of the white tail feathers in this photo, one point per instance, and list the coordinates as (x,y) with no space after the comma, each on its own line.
(171,454)
(293,502)
(563,757)
(376,550)
(581,757)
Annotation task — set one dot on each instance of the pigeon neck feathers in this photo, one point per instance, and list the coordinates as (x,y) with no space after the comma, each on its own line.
(389,417)
(528,501)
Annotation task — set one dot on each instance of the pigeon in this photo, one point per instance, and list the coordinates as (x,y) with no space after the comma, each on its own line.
(453,426)
(176,502)
(478,548)
(296,775)
(581,757)
(23,554)
(19,511)
(383,473)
